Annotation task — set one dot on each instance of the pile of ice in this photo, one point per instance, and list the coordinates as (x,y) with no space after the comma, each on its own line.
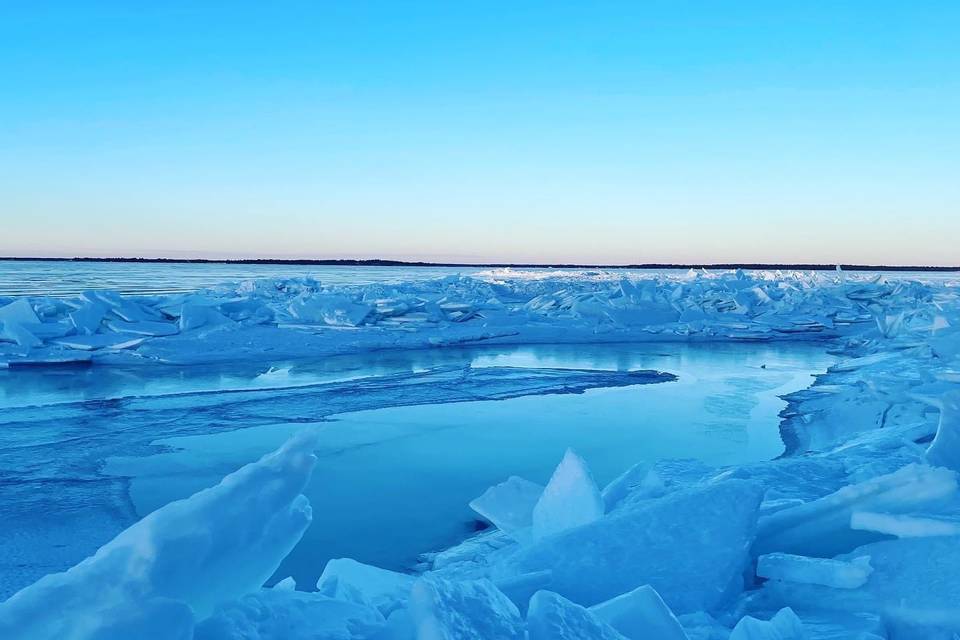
(304,317)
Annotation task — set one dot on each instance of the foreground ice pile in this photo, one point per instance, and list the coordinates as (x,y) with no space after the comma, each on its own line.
(853,534)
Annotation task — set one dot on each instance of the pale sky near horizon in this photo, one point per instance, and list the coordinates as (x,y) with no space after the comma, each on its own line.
(599,132)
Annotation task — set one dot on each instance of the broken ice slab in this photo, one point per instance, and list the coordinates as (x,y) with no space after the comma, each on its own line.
(347,579)
(785,625)
(144,328)
(509,506)
(463,610)
(822,527)
(639,477)
(640,614)
(823,571)
(571,499)
(906,525)
(553,617)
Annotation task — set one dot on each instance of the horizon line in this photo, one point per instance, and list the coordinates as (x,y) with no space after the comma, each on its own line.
(379,262)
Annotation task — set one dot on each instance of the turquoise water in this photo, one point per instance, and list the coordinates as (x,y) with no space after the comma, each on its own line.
(395,482)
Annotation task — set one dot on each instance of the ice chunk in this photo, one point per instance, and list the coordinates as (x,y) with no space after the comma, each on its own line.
(822,527)
(463,610)
(640,614)
(509,506)
(691,546)
(944,451)
(785,625)
(348,579)
(571,499)
(553,617)
(289,615)
(19,311)
(830,573)
(87,318)
(215,546)
(904,526)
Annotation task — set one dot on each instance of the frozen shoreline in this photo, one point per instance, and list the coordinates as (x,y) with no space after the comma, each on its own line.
(868,472)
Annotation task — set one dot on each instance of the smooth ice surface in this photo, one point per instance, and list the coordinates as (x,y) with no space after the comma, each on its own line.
(178,562)
(570,499)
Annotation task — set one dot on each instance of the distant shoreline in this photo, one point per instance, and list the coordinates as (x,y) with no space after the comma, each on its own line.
(500,265)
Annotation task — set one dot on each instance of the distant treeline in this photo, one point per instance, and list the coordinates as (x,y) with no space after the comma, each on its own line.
(402,263)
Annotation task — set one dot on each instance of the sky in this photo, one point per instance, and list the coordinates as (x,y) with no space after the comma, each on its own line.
(589,132)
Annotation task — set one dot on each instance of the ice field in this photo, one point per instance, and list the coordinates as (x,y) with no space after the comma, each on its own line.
(503,454)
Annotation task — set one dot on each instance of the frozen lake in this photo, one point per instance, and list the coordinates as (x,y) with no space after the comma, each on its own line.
(394,482)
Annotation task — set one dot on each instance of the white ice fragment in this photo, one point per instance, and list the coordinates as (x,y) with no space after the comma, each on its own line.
(785,625)
(553,617)
(509,506)
(215,546)
(640,614)
(272,614)
(703,532)
(822,527)
(944,451)
(347,579)
(904,526)
(571,499)
(839,574)
(463,610)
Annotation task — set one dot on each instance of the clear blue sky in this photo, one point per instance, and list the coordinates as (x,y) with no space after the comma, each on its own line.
(526,131)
